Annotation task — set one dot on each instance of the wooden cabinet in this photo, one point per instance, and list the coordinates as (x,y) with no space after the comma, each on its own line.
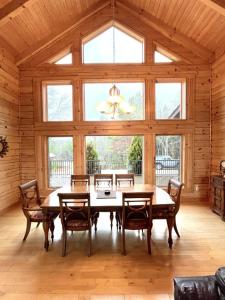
(218,192)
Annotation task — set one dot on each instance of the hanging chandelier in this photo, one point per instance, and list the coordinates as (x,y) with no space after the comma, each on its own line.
(115,104)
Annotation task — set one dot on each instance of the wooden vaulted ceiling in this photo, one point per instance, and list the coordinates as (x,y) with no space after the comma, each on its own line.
(27,25)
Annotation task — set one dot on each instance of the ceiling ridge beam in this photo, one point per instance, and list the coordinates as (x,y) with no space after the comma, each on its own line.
(39,46)
(12,9)
(167,30)
(216,5)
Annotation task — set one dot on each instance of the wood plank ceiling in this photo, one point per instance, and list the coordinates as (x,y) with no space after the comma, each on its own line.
(203,21)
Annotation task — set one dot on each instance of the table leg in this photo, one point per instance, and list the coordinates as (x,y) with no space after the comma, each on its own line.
(111,219)
(46,230)
(170,222)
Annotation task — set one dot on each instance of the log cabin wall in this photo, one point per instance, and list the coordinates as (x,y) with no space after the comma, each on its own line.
(195,129)
(218,113)
(9,128)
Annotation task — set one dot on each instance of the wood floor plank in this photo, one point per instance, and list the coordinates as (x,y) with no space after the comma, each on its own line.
(28,272)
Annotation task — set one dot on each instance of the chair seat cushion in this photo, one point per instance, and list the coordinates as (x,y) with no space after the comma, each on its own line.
(136,224)
(38,216)
(77,224)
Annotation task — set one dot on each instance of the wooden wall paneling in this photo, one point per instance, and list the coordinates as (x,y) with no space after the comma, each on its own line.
(9,128)
(218,114)
(41,163)
(187,169)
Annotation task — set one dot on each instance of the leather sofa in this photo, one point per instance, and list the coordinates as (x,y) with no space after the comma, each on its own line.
(210,287)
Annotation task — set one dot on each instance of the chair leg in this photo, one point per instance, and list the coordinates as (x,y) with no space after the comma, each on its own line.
(175,228)
(64,240)
(27,229)
(111,219)
(149,241)
(52,227)
(95,221)
(38,223)
(123,242)
(89,242)
(118,224)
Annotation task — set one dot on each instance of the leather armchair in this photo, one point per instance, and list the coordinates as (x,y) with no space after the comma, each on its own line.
(210,287)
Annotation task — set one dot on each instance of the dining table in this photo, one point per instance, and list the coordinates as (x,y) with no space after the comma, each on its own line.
(111,201)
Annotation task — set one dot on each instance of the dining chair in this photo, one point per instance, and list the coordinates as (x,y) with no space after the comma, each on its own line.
(80,179)
(174,190)
(104,181)
(75,215)
(31,206)
(124,179)
(85,180)
(137,215)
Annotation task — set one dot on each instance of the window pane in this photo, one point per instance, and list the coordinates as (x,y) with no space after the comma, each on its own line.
(168,158)
(170,100)
(160,58)
(115,155)
(100,49)
(66,60)
(97,95)
(127,49)
(59,103)
(60,160)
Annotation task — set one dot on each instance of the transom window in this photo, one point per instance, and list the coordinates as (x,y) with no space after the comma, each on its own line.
(170,99)
(114,45)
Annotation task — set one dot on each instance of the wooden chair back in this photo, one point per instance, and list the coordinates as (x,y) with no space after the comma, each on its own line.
(103,179)
(137,215)
(136,207)
(75,215)
(124,178)
(31,205)
(80,179)
(174,190)
(30,197)
(74,206)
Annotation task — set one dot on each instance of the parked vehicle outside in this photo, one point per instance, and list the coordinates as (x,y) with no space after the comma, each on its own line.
(166,162)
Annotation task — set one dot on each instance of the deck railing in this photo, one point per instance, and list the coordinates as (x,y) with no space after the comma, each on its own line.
(60,170)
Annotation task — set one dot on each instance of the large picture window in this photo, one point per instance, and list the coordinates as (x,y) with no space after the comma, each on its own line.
(58,102)
(170,99)
(99,106)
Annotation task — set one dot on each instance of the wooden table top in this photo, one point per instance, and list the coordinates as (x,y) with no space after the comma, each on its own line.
(160,196)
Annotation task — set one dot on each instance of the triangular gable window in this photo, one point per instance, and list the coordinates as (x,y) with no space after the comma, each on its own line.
(65,60)
(161,58)
(113,45)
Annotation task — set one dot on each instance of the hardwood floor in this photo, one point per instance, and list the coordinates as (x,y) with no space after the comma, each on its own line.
(28,272)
